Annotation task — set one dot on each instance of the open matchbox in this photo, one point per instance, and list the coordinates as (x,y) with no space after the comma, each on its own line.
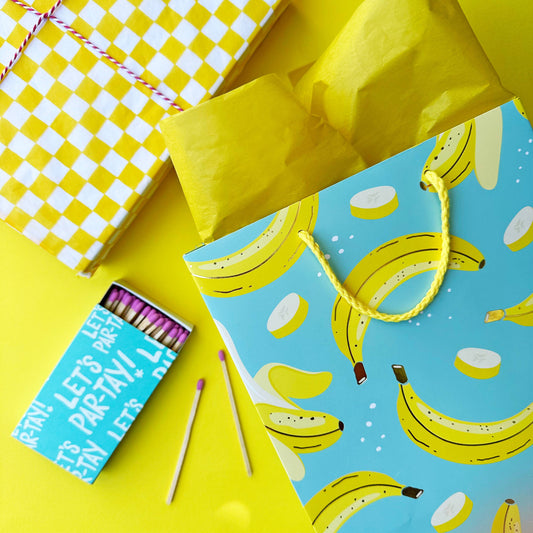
(103,380)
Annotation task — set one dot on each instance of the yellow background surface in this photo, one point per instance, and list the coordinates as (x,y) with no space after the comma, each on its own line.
(42,305)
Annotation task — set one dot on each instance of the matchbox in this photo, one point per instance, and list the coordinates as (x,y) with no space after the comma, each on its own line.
(118,357)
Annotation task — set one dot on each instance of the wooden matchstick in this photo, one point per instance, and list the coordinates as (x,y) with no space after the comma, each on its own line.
(186,438)
(245,457)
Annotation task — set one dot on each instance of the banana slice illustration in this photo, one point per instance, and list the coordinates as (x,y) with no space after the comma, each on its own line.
(293,430)
(478,363)
(377,202)
(264,259)
(519,232)
(380,272)
(287,316)
(520,107)
(521,313)
(330,508)
(456,440)
(507,519)
(452,512)
(474,145)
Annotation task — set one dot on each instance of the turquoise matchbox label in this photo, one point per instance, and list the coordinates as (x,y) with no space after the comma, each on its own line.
(94,394)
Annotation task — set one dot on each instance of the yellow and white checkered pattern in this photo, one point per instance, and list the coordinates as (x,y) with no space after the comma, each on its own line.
(80,150)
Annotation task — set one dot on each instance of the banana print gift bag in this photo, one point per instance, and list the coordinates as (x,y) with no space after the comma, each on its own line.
(435,408)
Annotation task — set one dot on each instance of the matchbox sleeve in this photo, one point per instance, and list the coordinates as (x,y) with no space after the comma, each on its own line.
(80,147)
(93,395)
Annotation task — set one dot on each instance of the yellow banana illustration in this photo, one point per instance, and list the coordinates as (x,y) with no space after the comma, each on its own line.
(342,498)
(293,430)
(380,272)
(453,156)
(296,430)
(507,519)
(264,259)
(456,440)
(474,145)
(520,107)
(521,313)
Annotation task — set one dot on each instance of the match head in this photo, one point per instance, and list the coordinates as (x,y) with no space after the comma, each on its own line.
(153,315)
(221,355)
(167,326)
(160,321)
(137,305)
(174,332)
(113,295)
(146,310)
(127,298)
(200,384)
(183,336)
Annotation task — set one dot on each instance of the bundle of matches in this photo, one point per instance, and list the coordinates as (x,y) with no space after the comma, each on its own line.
(146,319)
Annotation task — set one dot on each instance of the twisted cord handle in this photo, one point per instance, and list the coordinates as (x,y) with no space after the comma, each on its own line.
(433,290)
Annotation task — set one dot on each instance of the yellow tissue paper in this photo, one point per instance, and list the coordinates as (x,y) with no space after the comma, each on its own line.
(232,153)
(398,73)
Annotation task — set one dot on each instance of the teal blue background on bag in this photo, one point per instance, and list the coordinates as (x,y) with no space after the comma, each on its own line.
(426,346)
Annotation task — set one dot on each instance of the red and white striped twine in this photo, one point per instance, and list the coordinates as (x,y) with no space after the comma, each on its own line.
(40,20)
(50,15)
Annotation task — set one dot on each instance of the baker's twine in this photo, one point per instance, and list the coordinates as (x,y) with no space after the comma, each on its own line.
(433,290)
(49,15)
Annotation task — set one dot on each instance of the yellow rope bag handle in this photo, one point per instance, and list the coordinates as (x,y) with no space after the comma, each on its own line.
(359,306)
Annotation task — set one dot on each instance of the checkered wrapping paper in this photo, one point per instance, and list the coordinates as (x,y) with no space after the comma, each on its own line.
(80,148)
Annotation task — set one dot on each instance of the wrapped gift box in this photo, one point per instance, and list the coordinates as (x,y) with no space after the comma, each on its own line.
(80,148)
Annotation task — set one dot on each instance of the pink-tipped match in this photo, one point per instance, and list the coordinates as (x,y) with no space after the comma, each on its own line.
(159,322)
(153,315)
(112,295)
(127,298)
(167,326)
(120,294)
(146,310)
(174,332)
(200,384)
(137,305)
(182,338)
(221,355)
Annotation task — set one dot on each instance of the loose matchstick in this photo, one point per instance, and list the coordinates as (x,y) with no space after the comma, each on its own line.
(186,438)
(222,358)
